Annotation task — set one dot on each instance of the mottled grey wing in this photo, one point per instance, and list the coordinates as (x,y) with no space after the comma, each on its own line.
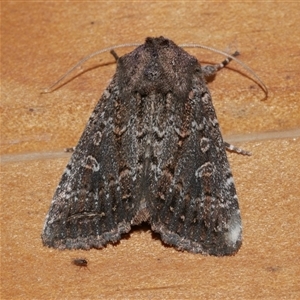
(93,203)
(152,151)
(193,202)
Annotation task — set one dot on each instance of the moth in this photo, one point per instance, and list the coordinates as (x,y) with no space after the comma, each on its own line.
(152,151)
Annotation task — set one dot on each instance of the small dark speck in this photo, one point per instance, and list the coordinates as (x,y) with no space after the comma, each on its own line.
(273,269)
(80,262)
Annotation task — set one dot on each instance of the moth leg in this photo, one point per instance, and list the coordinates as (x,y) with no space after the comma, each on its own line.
(232,148)
(114,54)
(211,70)
(69,149)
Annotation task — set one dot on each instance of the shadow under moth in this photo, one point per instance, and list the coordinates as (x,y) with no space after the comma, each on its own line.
(152,151)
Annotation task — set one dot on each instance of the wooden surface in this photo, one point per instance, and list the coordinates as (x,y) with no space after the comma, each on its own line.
(40,41)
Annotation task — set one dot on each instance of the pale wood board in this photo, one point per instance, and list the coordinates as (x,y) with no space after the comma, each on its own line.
(40,41)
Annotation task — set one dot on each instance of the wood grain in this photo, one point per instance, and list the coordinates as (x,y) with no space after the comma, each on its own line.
(41,40)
